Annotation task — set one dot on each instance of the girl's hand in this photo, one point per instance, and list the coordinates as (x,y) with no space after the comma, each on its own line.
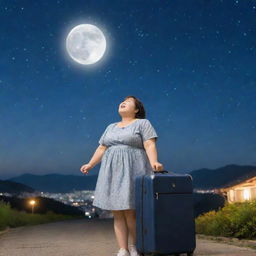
(157,166)
(85,168)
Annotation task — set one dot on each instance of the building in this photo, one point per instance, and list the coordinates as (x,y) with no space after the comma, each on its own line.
(239,190)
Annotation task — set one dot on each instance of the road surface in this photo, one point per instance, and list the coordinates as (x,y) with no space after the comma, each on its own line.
(86,237)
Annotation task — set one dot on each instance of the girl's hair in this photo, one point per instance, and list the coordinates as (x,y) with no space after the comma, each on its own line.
(138,105)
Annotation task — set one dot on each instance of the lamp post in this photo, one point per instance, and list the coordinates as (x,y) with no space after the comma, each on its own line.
(32,202)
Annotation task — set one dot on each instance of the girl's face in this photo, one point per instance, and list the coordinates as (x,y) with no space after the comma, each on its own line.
(128,107)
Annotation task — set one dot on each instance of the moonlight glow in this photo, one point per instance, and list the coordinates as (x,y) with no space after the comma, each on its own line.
(86,44)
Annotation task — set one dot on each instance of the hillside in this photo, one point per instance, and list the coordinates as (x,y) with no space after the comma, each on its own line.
(7,186)
(224,176)
(43,205)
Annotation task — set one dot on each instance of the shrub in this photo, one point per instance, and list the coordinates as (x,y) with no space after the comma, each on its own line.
(233,220)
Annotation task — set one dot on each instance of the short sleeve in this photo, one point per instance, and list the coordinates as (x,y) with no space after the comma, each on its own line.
(101,140)
(147,130)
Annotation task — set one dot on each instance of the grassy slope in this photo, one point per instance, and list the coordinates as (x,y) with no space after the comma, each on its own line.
(14,218)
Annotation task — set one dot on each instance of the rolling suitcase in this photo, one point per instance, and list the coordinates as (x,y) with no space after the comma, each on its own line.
(165,222)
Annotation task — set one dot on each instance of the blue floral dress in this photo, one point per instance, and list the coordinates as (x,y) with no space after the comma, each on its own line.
(124,159)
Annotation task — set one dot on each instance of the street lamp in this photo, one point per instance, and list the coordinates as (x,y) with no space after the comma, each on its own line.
(32,202)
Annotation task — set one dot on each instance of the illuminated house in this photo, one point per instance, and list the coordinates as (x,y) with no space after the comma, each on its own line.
(240,190)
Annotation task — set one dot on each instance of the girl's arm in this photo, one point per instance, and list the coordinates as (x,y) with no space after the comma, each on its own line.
(97,156)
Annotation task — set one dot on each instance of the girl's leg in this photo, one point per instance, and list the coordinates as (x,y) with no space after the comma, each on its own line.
(130,216)
(120,228)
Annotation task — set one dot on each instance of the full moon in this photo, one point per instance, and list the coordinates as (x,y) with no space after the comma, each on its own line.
(86,44)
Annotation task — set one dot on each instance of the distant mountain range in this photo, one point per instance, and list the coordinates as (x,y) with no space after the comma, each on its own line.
(225,176)
(59,183)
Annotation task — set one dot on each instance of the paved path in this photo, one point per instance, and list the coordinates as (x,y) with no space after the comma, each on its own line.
(87,237)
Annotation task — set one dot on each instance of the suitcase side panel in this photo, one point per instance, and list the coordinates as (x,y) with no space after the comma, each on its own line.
(149,215)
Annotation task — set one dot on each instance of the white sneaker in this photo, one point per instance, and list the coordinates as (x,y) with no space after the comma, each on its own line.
(133,251)
(123,252)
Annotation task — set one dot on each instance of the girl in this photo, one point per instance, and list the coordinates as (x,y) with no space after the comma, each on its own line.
(127,149)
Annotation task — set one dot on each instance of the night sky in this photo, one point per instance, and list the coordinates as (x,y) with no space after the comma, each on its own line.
(192,64)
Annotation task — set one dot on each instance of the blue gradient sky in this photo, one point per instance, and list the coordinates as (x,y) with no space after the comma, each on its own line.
(192,64)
